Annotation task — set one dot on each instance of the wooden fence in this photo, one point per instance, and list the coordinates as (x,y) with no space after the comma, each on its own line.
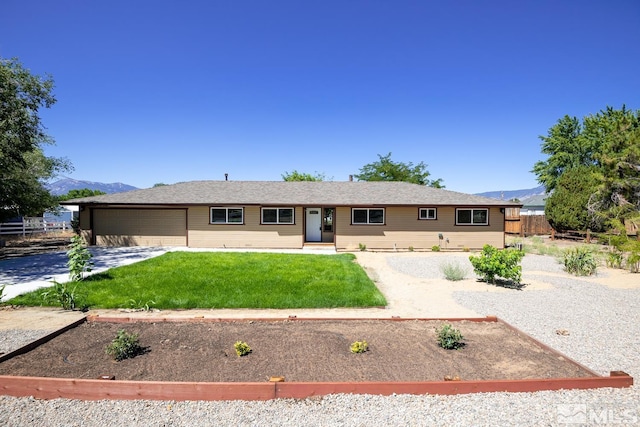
(30,225)
(525,225)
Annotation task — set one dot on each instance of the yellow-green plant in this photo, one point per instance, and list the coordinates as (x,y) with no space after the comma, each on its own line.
(359,346)
(242,348)
(435,248)
(492,263)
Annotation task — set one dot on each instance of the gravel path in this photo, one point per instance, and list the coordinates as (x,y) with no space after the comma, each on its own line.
(602,323)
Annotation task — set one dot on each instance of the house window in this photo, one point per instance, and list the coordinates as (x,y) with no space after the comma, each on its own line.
(367,216)
(227,215)
(472,216)
(277,215)
(427,213)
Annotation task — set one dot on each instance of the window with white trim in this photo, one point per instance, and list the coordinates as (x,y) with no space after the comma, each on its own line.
(427,213)
(472,216)
(277,216)
(367,216)
(225,215)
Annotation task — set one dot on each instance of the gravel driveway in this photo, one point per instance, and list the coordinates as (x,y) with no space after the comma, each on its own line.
(600,315)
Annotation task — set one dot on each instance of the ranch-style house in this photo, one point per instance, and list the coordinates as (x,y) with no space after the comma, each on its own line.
(346,215)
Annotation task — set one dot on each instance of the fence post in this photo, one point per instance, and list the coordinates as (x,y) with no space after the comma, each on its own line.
(24,228)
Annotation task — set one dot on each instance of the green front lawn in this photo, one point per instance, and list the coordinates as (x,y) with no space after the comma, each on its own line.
(227,280)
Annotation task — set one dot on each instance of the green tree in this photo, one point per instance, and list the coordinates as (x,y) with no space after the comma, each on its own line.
(566,149)
(619,163)
(23,166)
(608,141)
(301,176)
(386,169)
(77,194)
(566,207)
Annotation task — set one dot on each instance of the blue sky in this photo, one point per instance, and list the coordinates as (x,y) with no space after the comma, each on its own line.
(169,91)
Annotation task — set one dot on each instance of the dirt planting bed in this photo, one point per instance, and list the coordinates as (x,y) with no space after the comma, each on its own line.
(299,350)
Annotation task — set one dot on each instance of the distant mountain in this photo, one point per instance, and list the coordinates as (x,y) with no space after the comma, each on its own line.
(65,185)
(514,194)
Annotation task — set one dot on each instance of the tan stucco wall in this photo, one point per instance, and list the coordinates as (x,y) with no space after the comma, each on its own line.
(250,235)
(403,229)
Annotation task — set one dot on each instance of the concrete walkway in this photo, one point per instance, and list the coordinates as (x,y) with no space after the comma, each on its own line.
(25,274)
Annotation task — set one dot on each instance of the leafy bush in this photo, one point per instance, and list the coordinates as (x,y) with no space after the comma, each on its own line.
(359,346)
(449,337)
(362,247)
(79,259)
(124,346)
(633,261)
(615,258)
(435,248)
(61,293)
(453,271)
(492,263)
(579,261)
(242,348)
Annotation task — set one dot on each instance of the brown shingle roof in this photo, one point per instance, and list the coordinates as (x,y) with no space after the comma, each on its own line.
(327,193)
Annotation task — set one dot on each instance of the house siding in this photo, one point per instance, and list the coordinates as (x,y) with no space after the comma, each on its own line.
(403,229)
(189,226)
(251,234)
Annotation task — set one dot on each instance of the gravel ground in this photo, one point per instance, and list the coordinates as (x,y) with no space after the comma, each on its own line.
(603,334)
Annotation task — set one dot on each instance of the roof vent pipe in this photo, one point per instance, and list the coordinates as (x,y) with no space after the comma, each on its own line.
(226,177)
(350,177)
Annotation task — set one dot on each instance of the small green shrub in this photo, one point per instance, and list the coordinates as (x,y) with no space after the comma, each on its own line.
(138,305)
(492,263)
(466,249)
(362,247)
(435,248)
(242,348)
(124,346)
(615,259)
(359,346)
(79,261)
(410,248)
(579,261)
(453,271)
(633,261)
(449,337)
(61,293)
